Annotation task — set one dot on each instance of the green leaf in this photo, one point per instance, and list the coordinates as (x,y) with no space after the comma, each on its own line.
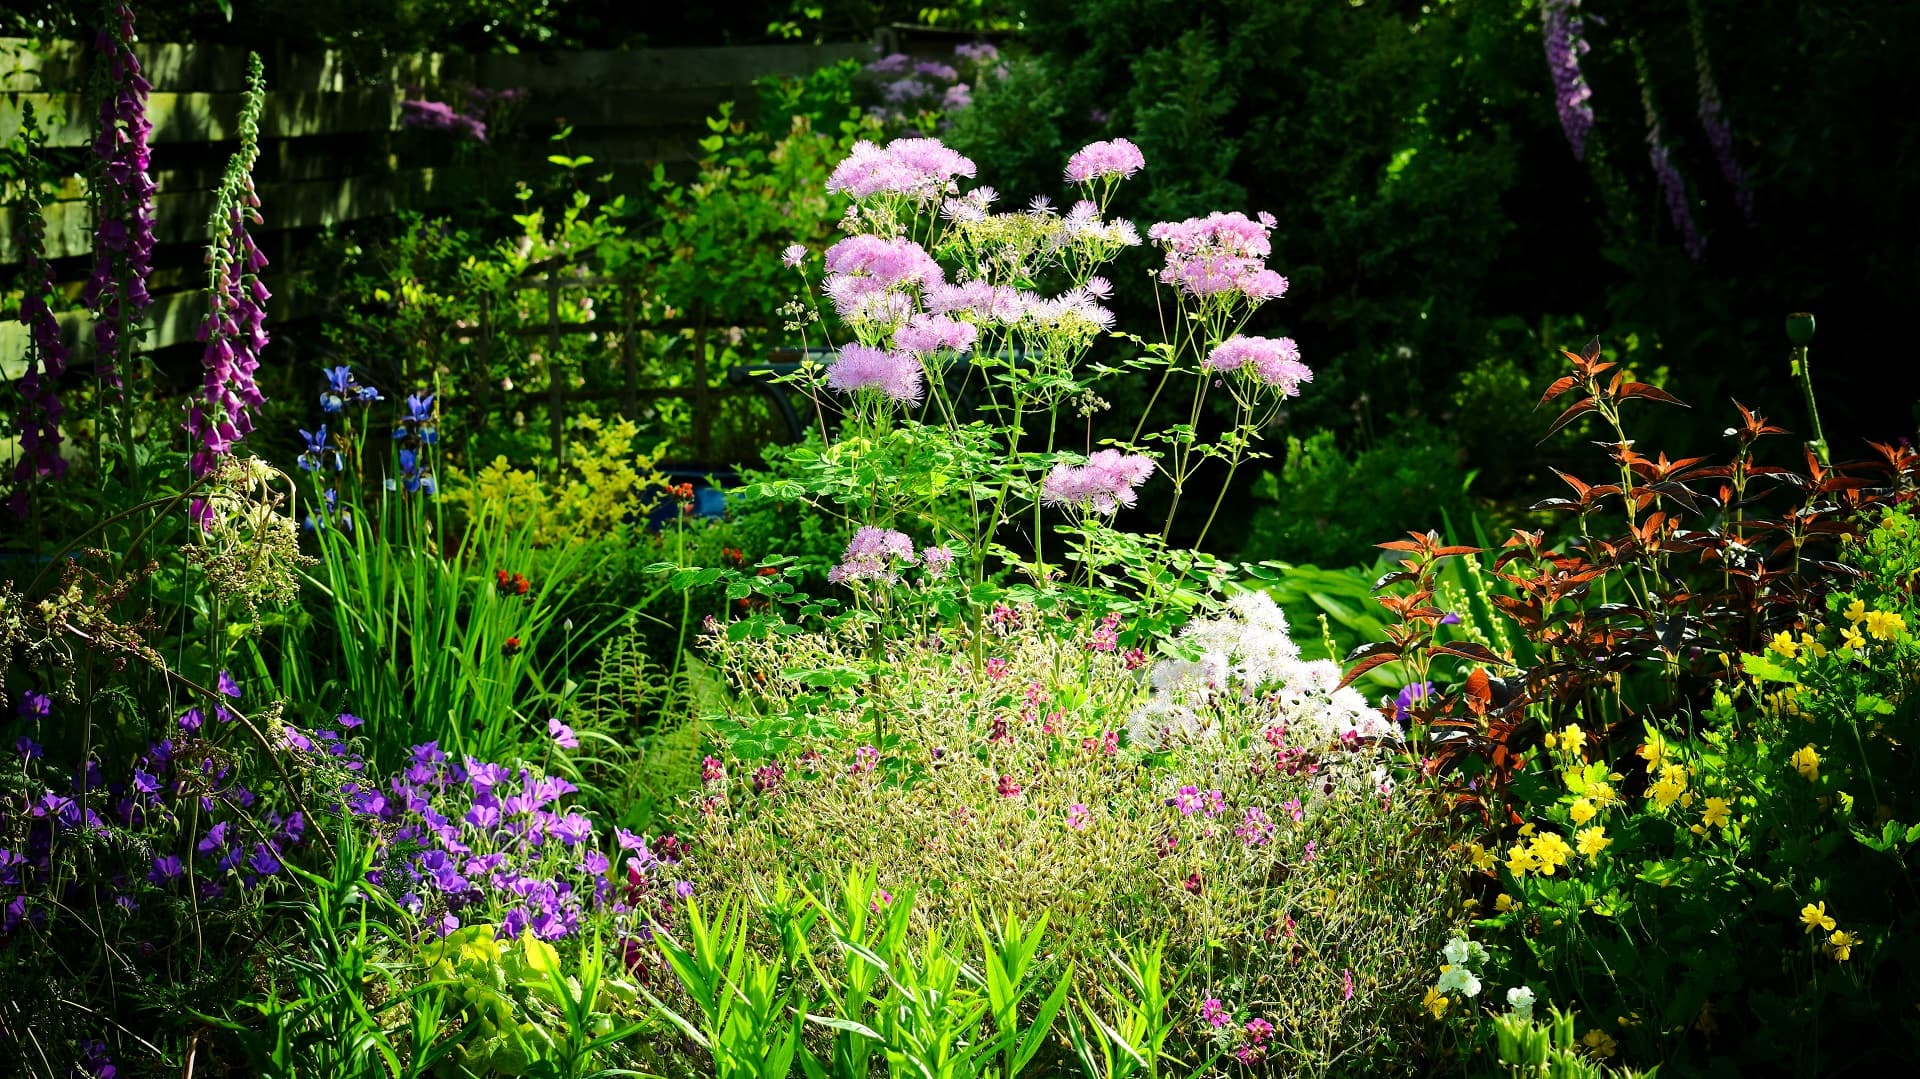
(1766,670)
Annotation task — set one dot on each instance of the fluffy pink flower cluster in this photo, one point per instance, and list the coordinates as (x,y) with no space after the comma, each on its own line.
(862,367)
(933,333)
(1274,361)
(864,274)
(1220,254)
(1103,484)
(1117,159)
(923,168)
(1082,226)
(983,302)
(872,555)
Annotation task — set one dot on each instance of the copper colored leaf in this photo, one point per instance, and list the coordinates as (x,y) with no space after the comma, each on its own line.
(1366,665)
(1583,406)
(1560,386)
(1469,650)
(1651,393)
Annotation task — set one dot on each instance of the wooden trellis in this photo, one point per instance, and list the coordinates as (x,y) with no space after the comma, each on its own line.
(557,276)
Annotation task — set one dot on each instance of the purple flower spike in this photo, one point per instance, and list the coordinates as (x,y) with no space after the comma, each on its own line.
(116,291)
(234,330)
(1563,32)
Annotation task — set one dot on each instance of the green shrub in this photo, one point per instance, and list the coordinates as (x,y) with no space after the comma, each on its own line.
(1327,508)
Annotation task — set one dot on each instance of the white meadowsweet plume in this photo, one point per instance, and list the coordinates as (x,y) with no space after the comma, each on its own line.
(1246,653)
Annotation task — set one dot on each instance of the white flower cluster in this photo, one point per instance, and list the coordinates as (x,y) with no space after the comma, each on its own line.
(1458,975)
(1246,651)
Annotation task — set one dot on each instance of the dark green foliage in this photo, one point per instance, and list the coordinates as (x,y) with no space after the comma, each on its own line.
(1330,507)
(1427,194)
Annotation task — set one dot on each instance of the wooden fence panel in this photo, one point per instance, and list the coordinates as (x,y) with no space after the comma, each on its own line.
(335,148)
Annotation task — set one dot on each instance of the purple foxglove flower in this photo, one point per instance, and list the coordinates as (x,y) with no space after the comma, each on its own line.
(1564,35)
(1672,185)
(116,291)
(1719,132)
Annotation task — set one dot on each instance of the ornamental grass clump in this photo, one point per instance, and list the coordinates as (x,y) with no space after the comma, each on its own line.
(1261,835)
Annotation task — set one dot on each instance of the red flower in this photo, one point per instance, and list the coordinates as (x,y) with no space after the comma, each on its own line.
(511,648)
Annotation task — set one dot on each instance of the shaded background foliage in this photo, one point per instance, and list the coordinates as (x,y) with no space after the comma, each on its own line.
(1441,237)
(1439,233)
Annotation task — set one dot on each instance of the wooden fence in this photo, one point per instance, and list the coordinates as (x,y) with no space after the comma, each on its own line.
(335,149)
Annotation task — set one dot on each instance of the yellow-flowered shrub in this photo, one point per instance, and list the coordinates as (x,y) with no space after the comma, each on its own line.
(605,482)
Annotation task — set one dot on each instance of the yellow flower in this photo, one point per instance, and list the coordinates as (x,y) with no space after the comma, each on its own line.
(1479,857)
(1602,794)
(1840,945)
(1814,915)
(1783,643)
(1592,841)
(1808,642)
(1435,1003)
(1719,813)
(1504,903)
(1850,638)
(1573,738)
(1669,787)
(1599,1043)
(1520,859)
(1884,626)
(1856,611)
(1550,740)
(1550,851)
(1582,811)
(1652,753)
(1807,763)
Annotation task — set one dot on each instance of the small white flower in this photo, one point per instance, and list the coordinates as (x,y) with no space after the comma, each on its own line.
(1520,999)
(1460,980)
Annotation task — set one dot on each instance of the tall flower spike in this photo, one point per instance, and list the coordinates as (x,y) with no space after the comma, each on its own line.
(1564,34)
(1672,185)
(1719,132)
(234,330)
(38,418)
(116,291)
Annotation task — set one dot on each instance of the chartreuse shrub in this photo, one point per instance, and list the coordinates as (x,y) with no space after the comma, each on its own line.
(1689,752)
